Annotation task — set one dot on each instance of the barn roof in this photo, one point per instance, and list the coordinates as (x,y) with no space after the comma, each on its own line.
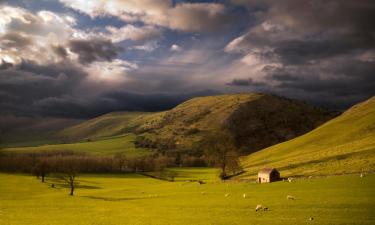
(266,170)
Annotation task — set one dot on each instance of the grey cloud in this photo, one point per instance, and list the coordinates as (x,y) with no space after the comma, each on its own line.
(94,50)
(313,49)
(14,40)
(245,82)
(60,51)
(23,84)
(72,107)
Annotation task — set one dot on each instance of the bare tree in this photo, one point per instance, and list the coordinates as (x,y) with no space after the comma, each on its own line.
(220,150)
(68,169)
(42,168)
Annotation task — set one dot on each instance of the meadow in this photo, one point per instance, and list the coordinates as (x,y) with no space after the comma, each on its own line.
(116,199)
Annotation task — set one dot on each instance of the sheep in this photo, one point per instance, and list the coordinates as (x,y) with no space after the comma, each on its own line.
(290,179)
(290,197)
(362,175)
(244,196)
(227,195)
(259,207)
(203,192)
(311,218)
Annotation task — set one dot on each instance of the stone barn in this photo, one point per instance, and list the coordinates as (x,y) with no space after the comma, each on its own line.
(268,175)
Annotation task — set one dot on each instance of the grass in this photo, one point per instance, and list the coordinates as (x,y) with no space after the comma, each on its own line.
(119,144)
(111,124)
(188,122)
(135,199)
(343,145)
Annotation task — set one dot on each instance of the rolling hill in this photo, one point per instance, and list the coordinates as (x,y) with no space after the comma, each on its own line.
(255,120)
(107,125)
(345,144)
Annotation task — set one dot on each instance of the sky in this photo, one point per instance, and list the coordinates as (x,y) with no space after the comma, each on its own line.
(84,58)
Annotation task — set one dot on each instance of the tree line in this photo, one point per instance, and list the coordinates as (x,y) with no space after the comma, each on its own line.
(218,150)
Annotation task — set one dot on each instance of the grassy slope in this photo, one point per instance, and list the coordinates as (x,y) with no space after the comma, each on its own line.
(110,124)
(345,144)
(123,143)
(137,200)
(256,120)
(201,114)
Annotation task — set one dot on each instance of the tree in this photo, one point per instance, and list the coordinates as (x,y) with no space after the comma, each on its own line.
(68,169)
(42,168)
(220,150)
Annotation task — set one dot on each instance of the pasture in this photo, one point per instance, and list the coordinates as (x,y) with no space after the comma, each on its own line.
(136,199)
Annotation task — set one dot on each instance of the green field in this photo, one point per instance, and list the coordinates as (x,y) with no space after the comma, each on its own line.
(119,144)
(135,199)
(343,145)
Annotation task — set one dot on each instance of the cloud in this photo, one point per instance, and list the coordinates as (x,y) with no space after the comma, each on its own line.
(188,17)
(175,48)
(245,82)
(299,54)
(130,32)
(94,50)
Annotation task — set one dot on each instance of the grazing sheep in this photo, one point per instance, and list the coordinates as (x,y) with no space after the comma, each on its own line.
(203,193)
(290,197)
(362,175)
(227,195)
(290,179)
(259,207)
(310,177)
(311,218)
(244,196)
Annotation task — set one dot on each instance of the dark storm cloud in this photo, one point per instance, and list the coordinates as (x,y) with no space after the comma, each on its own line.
(23,84)
(94,50)
(245,82)
(324,50)
(72,107)
(56,90)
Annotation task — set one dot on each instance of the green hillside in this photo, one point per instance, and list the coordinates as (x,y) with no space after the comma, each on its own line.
(108,125)
(118,144)
(255,120)
(345,144)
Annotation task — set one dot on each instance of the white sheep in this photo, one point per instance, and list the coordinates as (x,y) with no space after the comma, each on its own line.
(362,175)
(203,193)
(259,207)
(290,197)
(244,196)
(290,179)
(227,195)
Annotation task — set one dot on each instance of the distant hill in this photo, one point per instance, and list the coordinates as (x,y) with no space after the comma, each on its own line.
(345,144)
(31,131)
(255,120)
(107,125)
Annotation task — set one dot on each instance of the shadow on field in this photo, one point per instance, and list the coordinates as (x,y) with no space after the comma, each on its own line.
(111,199)
(59,184)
